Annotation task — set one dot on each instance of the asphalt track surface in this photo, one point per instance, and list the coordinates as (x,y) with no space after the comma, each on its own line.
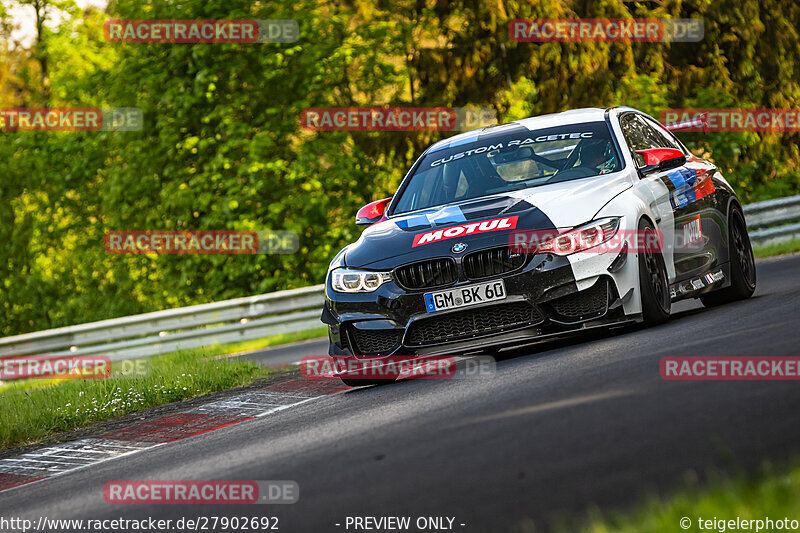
(558,428)
(290,353)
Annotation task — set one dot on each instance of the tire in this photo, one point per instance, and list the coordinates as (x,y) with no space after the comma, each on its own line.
(743,265)
(653,283)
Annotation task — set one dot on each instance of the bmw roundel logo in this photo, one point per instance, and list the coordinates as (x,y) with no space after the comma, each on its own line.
(459,247)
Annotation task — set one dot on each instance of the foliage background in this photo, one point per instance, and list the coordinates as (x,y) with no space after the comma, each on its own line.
(222,147)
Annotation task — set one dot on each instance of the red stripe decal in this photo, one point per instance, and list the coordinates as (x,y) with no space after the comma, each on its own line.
(704,186)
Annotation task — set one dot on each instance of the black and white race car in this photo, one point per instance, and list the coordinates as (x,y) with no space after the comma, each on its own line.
(536,228)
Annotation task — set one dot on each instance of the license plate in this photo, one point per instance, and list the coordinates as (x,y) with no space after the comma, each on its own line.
(465,296)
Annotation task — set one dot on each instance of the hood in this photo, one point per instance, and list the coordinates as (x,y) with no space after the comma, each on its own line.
(482,222)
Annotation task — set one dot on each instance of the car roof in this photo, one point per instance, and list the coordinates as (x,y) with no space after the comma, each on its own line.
(564,118)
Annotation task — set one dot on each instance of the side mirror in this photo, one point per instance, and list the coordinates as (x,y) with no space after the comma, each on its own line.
(657,159)
(371,213)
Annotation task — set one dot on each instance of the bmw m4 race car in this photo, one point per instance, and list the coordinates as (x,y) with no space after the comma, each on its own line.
(503,236)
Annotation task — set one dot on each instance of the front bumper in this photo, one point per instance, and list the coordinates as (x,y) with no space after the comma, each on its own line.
(543,300)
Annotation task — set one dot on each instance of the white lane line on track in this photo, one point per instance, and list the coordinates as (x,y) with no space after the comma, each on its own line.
(558,404)
(10,466)
(282,407)
(251,404)
(49,461)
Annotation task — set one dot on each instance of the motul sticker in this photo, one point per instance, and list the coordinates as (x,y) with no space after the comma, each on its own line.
(495,224)
(692,232)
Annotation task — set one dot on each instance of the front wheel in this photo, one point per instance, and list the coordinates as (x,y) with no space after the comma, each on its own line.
(743,265)
(653,281)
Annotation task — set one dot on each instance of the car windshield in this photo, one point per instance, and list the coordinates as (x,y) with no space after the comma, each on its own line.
(507,162)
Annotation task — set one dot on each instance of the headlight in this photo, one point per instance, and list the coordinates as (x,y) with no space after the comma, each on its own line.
(350,280)
(582,238)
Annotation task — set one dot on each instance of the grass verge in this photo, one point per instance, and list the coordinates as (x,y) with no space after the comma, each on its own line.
(772,493)
(274,340)
(782,248)
(215,350)
(33,409)
(29,415)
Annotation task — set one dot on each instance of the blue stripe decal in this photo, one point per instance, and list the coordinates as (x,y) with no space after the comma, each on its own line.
(447,215)
(441,145)
(464,139)
(414,222)
(429,303)
(684,180)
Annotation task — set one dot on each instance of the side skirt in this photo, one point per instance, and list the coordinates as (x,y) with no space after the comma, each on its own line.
(711,280)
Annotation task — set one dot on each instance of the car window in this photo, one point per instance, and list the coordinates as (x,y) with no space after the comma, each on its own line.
(463,185)
(520,159)
(416,194)
(667,140)
(640,134)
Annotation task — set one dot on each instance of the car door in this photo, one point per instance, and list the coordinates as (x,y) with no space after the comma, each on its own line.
(697,228)
(652,186)
(688,198)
